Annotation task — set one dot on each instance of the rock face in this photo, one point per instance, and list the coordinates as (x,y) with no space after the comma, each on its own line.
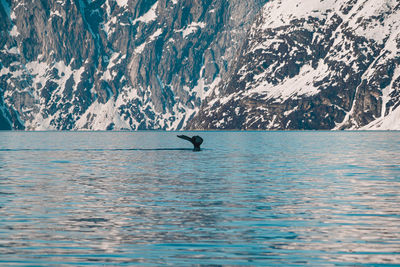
(114,64)
(316,64)
(209,64)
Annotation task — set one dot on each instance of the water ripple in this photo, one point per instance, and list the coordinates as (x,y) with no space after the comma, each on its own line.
(253,198)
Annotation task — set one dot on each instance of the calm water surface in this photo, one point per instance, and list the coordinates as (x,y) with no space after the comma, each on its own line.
(249,198)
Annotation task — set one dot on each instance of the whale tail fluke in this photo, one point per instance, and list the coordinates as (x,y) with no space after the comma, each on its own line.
(185,137)
(195,140)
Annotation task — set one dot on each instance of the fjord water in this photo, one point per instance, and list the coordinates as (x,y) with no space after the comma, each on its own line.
(248,198)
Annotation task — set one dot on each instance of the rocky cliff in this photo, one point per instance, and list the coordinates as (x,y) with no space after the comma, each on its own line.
(114,64)
(186,64)
(315,64)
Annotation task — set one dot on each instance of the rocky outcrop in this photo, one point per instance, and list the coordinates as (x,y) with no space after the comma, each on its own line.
(107,64)
(313,65)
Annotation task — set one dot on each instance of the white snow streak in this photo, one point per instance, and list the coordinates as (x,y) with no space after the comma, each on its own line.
(149,16)
(193,27)
(299,85)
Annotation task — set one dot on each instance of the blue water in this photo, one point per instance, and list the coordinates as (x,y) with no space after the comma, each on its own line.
(248,198)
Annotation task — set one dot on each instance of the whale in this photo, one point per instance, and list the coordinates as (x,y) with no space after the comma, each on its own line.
(195,140)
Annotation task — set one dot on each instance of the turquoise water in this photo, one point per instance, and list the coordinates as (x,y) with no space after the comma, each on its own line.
(248,198)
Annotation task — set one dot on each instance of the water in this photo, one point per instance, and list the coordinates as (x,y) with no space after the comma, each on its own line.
(248,198)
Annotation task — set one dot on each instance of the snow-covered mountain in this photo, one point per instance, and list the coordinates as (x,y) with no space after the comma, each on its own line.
(114,64)
(209,64)
(313,64)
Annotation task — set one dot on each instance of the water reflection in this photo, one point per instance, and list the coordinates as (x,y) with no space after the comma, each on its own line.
(268,198)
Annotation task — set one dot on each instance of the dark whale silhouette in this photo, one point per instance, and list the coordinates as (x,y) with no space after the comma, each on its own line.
(195,140)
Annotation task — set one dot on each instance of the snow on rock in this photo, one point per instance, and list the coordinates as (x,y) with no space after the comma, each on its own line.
(122,3)
(389,122)
(115,64)
(376,29)
(139,49)
(279,12)
(297,86)
(194,26)
(150,16)
(14,31)
(390,114)
(315,64)
(101,116)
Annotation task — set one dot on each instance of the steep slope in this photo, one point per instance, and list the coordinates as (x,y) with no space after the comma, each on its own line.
(114,64)
(316,64)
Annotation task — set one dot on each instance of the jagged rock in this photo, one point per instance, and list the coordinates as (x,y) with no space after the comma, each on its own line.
(318,64)
(107,64)
(169,64)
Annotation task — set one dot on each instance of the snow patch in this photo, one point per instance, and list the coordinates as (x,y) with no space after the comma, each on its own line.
(39,123)
(391,121)
(13,50)
(154,36)
(193,27)
(108,28)
(140,48)
(149,16)
(107,75)
(99,116)
(365,22)
(37,68)
(362,18)
(280,12)
(108,8)
(14,31)
(55,13)
(122,3)
(299,85)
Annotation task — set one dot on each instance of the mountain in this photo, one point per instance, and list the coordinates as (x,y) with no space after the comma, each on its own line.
(115,64)
(315,64)
(188,64)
